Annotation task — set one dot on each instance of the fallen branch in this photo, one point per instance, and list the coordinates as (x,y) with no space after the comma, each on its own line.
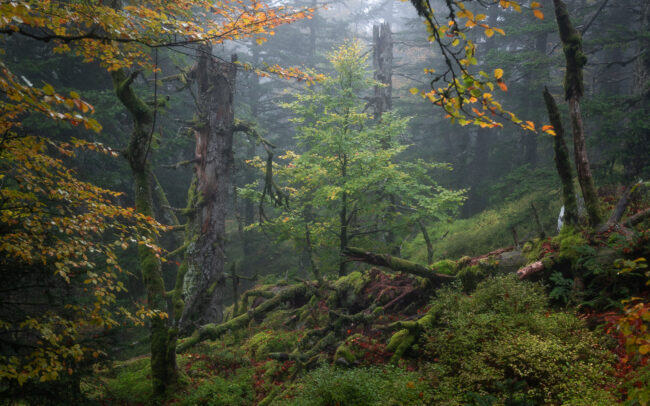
(528,270)
(397,264)
(214,331)
(637,218)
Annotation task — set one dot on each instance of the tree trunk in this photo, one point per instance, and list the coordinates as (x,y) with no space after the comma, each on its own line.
(427,240)
(574,88)
(637,144)
(397,264)
(163,339)
(382,61)
(204,281)
(562,162)
(343,232)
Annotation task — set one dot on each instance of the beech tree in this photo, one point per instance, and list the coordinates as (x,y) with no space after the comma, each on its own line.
(118,35)
(340,181)
(60,236)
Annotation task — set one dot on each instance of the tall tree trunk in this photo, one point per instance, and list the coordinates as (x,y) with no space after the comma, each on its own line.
(343,232)
(251,173)
(574,88)
(382,61)
(562,162)
(637,145)
(204,281)
(163,339)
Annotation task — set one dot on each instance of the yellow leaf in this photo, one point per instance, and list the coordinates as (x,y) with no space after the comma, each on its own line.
(414,90)
(260,40)
(644,349)
(498,73)
(538,14)
(535,4)
(489,32)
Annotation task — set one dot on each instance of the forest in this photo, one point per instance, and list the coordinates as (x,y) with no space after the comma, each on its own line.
(325,203)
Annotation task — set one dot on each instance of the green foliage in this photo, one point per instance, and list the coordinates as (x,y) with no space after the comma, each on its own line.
(218,391)
(345,179)
(488,230)
(359,387)
(131,382)
(471,275)
(570,242)
(503,333)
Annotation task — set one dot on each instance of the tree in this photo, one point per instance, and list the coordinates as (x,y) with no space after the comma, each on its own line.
(339,184)
(58,260)
(117,35)
(573,90)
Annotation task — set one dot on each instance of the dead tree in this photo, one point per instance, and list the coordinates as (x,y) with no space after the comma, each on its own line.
(203,279)
(382,62)
(573,90)
(562,162)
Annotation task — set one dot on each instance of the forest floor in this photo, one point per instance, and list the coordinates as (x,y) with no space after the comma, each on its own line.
(537,324)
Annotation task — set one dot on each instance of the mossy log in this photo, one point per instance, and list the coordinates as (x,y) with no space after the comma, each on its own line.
(214,331)
(397,264)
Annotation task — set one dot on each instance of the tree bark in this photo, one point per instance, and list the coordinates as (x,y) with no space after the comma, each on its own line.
(204,281)
(397,264)
(163,339)
(343,232)
(382,61)
(573,89)
(427,240)
(562,162)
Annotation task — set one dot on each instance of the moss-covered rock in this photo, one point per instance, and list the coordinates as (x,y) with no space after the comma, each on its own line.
(569,242)
(446,266)
(347,290)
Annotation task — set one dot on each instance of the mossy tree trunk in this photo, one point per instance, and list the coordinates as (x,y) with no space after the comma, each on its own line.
(574,88)
(204,280)
(343,214)
(163,340)
(562,162)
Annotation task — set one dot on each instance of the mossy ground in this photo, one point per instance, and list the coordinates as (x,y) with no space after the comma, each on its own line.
(375,338)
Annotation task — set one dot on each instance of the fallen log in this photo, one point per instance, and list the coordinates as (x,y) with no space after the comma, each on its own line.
(397,264)
(214,331)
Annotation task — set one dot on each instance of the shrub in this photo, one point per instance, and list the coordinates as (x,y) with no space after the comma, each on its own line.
(502,343)
(217,391)
(383,386)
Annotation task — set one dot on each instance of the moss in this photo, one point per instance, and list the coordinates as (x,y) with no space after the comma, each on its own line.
(471,276)
(354,281)
(217,391)
(345,351)
(177,297)
(131,382)
(265,342)
(276,319)
(347,289)
(569,241)
(445,266)
(399,343)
